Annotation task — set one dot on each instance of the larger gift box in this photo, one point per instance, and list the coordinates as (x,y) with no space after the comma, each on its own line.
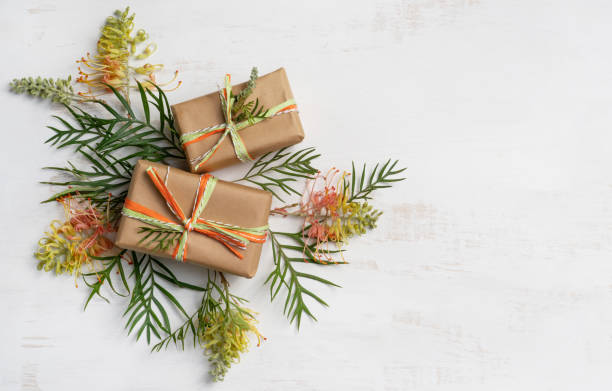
(201,124)
(194,218)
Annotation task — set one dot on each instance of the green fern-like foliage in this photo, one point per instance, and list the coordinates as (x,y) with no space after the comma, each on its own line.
(149,285)
(114,132)
(280,172)
(381,176)
(95,280)
(146,313)
(158,238)
(106,180)
(286,275)
(191,326)
(111,144)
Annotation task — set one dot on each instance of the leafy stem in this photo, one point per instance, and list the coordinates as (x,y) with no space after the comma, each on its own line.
(158,238)
(180,333)
(101,276)
(380,177)
(104,142)
(277,172)
(145,308)
(286,275)
(117,131)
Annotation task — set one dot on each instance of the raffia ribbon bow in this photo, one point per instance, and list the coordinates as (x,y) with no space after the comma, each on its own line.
(231,128)
(233,237)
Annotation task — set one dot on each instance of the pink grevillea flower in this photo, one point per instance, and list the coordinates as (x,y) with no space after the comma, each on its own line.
(73,243)
(321,205)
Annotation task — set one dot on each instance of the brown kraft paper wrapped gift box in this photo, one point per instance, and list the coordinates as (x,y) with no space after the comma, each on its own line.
(229,203)
(269,135)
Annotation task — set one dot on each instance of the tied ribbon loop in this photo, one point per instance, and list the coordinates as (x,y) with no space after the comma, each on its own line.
(230,128)
(231,236)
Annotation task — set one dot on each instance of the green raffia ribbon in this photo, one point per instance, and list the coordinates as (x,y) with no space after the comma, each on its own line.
(229,235)
(230,127)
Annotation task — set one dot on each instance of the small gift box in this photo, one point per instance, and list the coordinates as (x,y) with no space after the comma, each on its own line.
(212,139)
(194,218)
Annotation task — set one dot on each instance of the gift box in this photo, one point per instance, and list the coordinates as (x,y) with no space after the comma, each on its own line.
(201,123)
(194,218)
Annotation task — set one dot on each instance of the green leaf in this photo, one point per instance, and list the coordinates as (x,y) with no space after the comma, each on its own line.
(145,103)
(121,99)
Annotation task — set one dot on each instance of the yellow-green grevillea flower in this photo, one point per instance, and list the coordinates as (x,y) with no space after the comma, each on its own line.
(225,335)
(111,65)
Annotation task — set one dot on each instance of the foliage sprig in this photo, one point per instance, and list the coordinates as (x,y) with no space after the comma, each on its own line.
(285,275)
(158,238)
(279,172)
(103,142)
(57,90)
(117,132)
(243,110)
(104,275)
(145,308)
(380,177)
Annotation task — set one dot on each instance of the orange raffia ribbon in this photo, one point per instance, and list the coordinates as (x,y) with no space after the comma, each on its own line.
(233,237)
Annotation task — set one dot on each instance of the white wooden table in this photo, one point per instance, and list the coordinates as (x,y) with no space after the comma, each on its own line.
(491,268)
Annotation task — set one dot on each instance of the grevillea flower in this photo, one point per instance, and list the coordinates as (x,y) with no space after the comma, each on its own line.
(71,244)
(57,90)
(110,66)
(329,215)
(224,334)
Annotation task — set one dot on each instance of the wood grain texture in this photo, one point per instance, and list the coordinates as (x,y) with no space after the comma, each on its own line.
(491,267)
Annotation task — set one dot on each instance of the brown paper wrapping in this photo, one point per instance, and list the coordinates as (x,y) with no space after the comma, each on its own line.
(266,136)
(230,203)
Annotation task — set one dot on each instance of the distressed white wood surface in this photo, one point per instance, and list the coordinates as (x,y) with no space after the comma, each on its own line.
(491,268)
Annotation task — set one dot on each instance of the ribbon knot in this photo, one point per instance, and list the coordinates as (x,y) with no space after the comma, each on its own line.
(231,236)
(231,128)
